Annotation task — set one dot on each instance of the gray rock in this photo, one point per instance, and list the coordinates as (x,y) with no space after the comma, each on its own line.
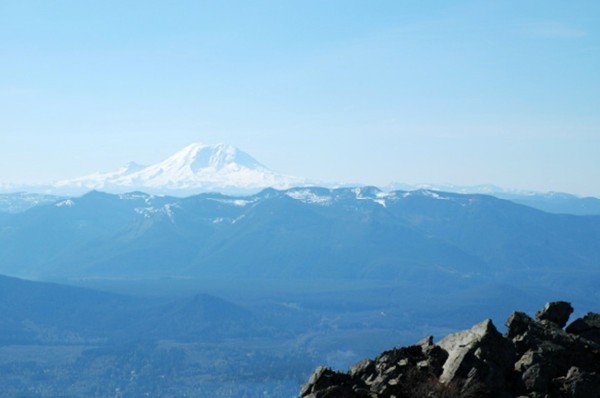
(527,360)
(587,327)
(480,356)
(537,378)
(362,368)
(579,384)
(460,347)
(324,382)
(518,323)
(557,312)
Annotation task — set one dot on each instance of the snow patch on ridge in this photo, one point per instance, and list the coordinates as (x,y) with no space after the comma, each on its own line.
(136,195)
(65,203)
(308,196)
(149,212)
(380,201)
(434,195)
(234,202)
(372,194)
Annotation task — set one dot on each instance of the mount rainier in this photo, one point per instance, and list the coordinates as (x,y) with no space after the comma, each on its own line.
(196,168)
(200,168)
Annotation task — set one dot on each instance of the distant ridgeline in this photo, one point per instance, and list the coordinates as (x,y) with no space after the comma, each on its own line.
(21,201)
(552,202)
(534,358)
(301,234)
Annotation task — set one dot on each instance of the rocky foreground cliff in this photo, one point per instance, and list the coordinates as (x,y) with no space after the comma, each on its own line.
(536,358)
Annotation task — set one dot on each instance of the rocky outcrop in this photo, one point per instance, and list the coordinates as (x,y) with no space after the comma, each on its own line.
(535,358)
(557,312)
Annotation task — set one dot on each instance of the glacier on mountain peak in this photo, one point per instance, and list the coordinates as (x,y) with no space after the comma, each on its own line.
(196,168)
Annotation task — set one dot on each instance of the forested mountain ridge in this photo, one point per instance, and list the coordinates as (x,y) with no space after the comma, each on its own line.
(301,233)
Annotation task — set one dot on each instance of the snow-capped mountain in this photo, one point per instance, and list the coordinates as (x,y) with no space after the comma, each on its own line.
(196,168)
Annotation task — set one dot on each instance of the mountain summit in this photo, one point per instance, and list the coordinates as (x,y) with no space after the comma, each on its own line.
(200,156)
(196,168)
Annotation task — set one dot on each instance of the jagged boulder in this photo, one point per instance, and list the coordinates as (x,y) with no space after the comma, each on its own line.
(546,353)
(587,327)
(325,383)
(557,312)
(534,358)
(478,357)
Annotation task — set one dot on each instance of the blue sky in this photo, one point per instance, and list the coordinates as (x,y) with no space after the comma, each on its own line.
(463,92)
